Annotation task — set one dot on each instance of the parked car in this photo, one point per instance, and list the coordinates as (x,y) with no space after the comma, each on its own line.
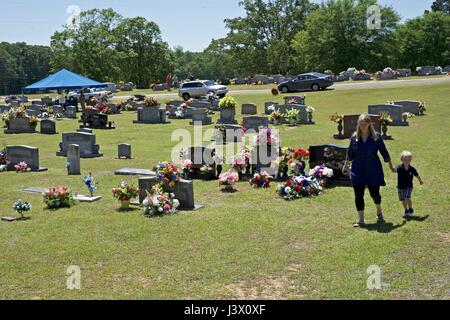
(307,81)
(110,87)
(97,93)
(199,88)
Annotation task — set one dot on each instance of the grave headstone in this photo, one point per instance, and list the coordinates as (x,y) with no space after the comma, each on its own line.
(303,113)
(183,191)
(124,151)
(151,115)
(113,108)
(85,130)
(86,141)
(71,112)
(255,122)
(48,126)
(34,110)
(249,108)
(395,112)
(333,157)
(294,100)
(27,154)
(4,108)
(201,156)
(200,117)
(58,110)
(201,104)
(73,159)
(409,106)
(269,104)
(227,116)
(404,72)
(20,125)
(134,172)
(350,122)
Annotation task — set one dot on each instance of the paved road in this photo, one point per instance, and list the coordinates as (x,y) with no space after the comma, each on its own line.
(336,86)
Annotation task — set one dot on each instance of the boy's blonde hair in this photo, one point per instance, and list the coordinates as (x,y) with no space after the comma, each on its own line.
(405,154)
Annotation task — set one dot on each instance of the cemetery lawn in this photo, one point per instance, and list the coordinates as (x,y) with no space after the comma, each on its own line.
(251,244)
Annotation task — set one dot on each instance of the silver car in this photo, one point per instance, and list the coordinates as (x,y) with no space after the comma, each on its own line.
(199,88)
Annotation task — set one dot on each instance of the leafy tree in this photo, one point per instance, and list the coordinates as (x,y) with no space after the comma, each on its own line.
(441,5)
(336,37)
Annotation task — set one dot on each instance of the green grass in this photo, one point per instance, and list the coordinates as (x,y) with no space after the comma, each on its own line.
(250,244)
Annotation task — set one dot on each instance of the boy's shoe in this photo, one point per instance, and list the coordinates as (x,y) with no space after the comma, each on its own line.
(408,213)
(380,219)
(411,211)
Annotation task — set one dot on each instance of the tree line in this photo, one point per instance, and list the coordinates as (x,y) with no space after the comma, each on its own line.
(273,37)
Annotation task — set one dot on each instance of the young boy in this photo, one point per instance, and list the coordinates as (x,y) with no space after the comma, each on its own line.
(405,174)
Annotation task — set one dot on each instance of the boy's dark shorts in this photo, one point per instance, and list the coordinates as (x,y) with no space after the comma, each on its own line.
(404,193)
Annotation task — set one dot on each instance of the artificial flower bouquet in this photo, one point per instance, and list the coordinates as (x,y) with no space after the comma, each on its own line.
(167,173)
(58,197)
(299,187)
(292,115)
(159,202)
(321,172)
(275,116)
(266,136)
(22,167)
(227,103)
(385,117)
(125,192)
(21,206)
(337,118)
(260,180)
(228,179)
(297,161)
(150,102)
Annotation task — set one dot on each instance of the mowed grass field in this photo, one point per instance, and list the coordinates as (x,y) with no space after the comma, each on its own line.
(251,244)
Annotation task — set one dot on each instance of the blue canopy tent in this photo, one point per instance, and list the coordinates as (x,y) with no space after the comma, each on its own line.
(63,80)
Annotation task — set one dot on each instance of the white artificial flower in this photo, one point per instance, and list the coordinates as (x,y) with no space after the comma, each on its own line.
(160,209)
(287,190)
(176,203)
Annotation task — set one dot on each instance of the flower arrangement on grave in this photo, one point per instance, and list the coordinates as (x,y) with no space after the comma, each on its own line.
(309,111)
(292,101)
(297,162)
(125,191)
(167,173)
(276,116)
(21,206)
(299,187)
(186,166)
(292,115)
(321,173)
(246,155)
(206,170)
(150,102)
(260,180)
(271,108)
(422,108)
(179,113)
(3,158)
(58,197)
(22,167)
(159,202)
(266,136)
(3,167)
(89,182)
(406,115)
(227,103)
(33,121)
(121,105)
(128,107)
(239,165)
(274,91)
(385,119)
(283,161)
(228,179)
(337,118)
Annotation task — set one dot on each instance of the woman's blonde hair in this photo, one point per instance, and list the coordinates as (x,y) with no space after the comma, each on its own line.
(366,118)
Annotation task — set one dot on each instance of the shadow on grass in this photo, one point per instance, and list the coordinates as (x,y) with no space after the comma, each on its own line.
(384,227)
(129,210)
(417,218)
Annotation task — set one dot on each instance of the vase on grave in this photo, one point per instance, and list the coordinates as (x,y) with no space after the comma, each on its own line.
(124,204)
(340,127)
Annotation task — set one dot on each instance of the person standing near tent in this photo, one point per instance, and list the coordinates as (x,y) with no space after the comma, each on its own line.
(175,81)
(82,101)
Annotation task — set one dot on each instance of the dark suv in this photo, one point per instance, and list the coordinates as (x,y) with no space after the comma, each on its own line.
(307,81)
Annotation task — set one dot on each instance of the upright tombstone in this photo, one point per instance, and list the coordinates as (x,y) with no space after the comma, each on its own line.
(86,141)
(20,125)
(294,100)
(394,111)
(58,110)
(4,108)
(201,104)
(183,191)
(27,154)
(350,122)
(73,159)
(303,113)
(34,110)
(227,116)
(249,108)
(200,117)
(404,72)
(332,156)
(268,105)
(150,115)
(85,130)
(113,108)
(124,151)
(254,122)
(71,112)
(48,126)
(201,156)
(410,106)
